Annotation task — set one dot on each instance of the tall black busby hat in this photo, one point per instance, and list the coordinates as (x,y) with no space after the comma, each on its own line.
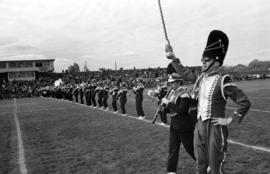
(217,46)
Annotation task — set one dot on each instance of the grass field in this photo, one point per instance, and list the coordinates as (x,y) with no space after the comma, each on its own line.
(62,137)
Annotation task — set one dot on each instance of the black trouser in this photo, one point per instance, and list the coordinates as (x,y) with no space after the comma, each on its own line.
(114,103)
(88,99)
(210,143)
(93,99)
(104,102)
(122,105)
(139,107)
(176,137)
(100,101)
(163,117)
(70,96)
(76,98)
(81,96)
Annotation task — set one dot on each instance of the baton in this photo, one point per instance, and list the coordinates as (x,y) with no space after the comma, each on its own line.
(169,49)
(163,23)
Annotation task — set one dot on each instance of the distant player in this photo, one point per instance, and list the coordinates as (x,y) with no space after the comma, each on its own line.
(138,91)
(114,92)
(122,95)
(105,96)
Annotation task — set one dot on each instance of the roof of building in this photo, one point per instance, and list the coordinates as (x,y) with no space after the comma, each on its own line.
(24,58)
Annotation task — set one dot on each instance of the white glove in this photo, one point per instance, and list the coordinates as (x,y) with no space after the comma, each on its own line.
(150,92)
(222,121)
(169,52)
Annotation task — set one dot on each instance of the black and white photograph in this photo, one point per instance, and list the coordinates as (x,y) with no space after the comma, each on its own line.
(134,87)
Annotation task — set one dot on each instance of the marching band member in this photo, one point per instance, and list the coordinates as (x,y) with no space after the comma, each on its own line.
(161,93)
(93,93)
(177,104)
(122,95)
(212,91)
(76,93)
(138,91)
(105,96)
(70,92)
(99,91)
(81,92)
(114,92)
(87,94)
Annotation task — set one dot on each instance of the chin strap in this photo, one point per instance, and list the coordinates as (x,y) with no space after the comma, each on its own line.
(210,66)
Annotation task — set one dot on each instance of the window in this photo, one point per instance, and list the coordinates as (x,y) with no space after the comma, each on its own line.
(20,65)
(2,65)
(38,64)
(46,64)
(12,64)
(28,64)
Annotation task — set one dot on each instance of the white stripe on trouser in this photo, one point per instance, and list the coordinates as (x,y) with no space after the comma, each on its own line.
(222,150)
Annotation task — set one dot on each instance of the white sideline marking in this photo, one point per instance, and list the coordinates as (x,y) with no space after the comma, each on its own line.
(21,104)
(249,146)
(40,110)
(20,142)
(259,98)
(254,110)
(159,124)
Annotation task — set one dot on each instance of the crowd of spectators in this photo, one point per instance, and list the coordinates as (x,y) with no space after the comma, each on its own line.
(18,89)
(149,76)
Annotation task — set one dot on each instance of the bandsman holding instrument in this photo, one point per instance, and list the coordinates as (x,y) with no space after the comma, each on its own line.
(114,92)
(105,96)
(177,104)
(122,95)
(138,91)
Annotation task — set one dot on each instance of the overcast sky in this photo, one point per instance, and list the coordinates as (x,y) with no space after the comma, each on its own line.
(130,32)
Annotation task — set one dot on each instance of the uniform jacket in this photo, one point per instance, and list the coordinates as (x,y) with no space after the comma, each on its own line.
(212,92)
(178,107)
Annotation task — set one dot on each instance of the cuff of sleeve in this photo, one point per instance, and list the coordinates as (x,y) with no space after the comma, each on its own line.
(238,116)
(177,61)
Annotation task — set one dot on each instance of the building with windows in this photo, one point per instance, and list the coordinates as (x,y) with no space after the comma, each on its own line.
(24,69)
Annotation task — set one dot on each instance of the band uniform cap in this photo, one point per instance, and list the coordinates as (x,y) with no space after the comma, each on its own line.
(174,77)
(217,46)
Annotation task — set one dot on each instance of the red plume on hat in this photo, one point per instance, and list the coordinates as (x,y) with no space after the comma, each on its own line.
(217,46)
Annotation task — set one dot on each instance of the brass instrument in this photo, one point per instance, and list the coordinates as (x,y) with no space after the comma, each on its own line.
(160,106)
